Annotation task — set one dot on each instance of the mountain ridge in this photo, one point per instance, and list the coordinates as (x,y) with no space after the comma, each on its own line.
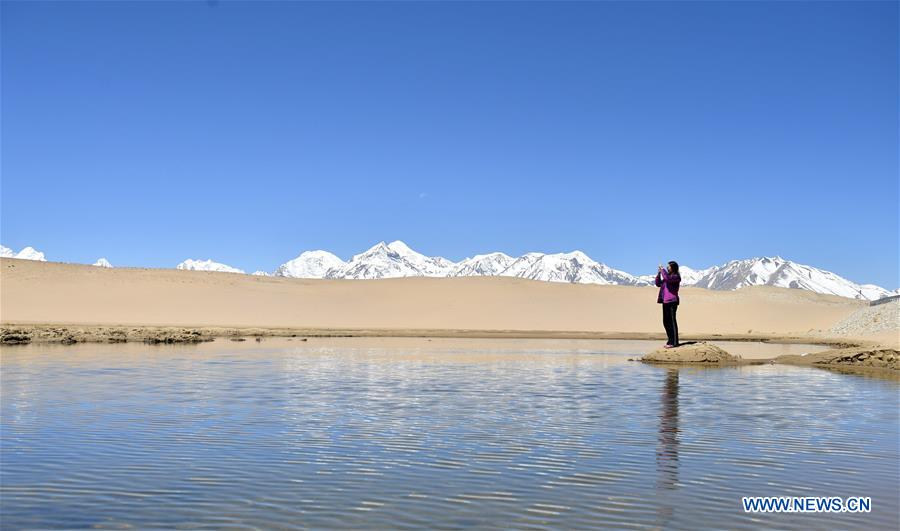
(396,260)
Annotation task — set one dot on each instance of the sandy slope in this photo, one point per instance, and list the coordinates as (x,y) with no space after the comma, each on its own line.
(41,292)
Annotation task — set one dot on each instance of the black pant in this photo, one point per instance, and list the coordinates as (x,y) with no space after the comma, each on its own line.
(671,324)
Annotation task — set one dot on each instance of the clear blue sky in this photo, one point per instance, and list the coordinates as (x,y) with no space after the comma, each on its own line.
(150,132)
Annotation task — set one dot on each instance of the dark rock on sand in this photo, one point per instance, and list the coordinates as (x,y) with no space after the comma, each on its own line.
(14,337)
(691,353)
(177,336)
(94,334)
(117,336)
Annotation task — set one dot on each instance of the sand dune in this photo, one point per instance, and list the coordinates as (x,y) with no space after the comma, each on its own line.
(54,293)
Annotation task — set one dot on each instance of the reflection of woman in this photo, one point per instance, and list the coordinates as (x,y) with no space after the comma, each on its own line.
(668,419)
(667,451)
(668,280)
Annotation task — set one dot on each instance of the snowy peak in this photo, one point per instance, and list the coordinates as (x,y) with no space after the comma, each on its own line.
(102,262)
(392,260)
(776,271)
(482,265)
(310,264)
(207,265)
(575,267)
(429,266)
(28,253)
(378,249)
(521,264)
(873,293)
(400,248)
(379,261)
(690,277)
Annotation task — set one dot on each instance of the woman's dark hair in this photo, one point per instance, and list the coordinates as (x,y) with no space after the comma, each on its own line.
(674,265)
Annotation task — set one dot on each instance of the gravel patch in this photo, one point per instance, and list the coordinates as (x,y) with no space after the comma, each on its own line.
(870,320)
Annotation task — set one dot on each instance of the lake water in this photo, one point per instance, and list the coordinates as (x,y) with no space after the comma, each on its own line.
(444,433)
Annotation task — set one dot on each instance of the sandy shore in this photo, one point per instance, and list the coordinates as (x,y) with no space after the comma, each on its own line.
(53,302)
(14,333)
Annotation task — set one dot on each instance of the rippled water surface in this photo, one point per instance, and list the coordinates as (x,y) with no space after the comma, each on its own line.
(431,434)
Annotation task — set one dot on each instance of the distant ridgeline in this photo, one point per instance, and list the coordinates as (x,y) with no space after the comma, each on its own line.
(396,260)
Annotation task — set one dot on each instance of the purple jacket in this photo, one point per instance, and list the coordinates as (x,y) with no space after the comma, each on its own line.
(668,286)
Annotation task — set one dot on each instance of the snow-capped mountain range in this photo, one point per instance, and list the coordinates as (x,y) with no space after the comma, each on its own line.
(28,253)
(785,274)
(575,267)
(207,265)
(396,259)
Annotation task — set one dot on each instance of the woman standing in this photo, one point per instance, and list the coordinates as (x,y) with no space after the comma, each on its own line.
(668,280)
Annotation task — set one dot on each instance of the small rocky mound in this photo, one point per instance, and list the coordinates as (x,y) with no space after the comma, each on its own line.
(701,352)
(878,358)
(14,336)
